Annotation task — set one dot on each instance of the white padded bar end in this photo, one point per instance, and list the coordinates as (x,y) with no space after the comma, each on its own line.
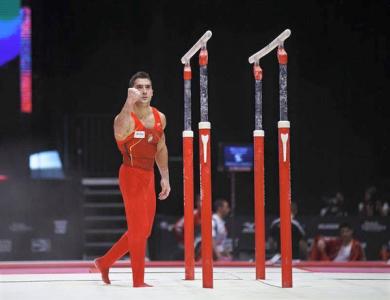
(284,124)
(204,125)
(258,133)
(202,41)
(188,133)
(271,46)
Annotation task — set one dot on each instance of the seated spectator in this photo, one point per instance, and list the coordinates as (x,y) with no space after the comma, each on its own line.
(342,248)
(366,207)
(222,250)
(299,245)
(385,209)
(334,206)
(384,253)
(381,208)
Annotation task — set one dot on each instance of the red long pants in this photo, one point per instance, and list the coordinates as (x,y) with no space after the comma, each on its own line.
(137,188)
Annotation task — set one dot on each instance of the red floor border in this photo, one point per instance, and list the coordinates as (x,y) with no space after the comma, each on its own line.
(178,264)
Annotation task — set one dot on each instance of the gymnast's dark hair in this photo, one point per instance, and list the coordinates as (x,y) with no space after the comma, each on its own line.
(137,75)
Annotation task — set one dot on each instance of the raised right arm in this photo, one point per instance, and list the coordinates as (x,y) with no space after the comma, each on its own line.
(123,122)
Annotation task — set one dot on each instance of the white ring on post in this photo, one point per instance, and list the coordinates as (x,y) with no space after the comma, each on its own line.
(188,133)
(284,124)
(258,133)
(204,125)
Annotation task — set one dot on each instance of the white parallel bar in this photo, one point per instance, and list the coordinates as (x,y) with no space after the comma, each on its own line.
(271,46)
(202,41)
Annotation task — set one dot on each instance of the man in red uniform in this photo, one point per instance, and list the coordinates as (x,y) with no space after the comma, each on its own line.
(139,132)
(343,248)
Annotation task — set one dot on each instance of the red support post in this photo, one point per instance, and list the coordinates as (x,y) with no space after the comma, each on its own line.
(285,202)
(188,182)
(205,192)
(188,179)
(258,136)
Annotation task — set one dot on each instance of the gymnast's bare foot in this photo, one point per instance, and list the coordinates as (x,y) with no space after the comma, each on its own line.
(103,270)
(136,285)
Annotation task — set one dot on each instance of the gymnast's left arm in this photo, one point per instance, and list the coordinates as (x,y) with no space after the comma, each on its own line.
(162,163)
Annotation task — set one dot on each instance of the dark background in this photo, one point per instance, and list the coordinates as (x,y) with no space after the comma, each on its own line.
(84,53)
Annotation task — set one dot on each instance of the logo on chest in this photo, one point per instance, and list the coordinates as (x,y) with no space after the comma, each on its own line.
(139,134)
(142,135)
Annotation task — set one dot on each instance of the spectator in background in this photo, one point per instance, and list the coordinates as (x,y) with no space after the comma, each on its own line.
(342,248)
(366,206)
(179,229)
(221,251)
(221,248)
(384,253)
(373,204)
(381,208)
(334,206)
(299,244)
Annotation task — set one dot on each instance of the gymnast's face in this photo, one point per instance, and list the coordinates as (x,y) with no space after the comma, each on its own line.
(144,86)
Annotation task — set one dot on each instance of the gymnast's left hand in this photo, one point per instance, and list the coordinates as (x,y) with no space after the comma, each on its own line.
(165,189)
